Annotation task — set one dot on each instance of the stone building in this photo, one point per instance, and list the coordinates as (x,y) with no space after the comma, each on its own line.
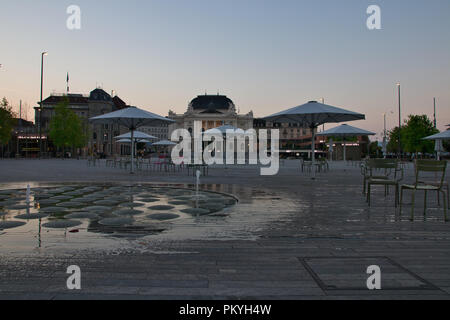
(98,102)
(294,138)
(161,132)
(212,111)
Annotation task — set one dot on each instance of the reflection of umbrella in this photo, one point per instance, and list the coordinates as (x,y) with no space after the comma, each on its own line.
(346,131)
(314,114)
(137,135)
(132,118)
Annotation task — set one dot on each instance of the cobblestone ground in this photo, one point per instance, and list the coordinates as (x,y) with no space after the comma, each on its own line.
(290,237)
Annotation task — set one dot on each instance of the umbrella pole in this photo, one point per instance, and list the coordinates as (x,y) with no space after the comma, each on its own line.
(331,152)
(313,147)
(132,151)
(345,151)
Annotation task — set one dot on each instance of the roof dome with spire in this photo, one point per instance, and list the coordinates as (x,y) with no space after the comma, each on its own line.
(99,95)
(211,103)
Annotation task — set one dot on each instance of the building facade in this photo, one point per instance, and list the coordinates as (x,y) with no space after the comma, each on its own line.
(295,139)
(212,111)
(161,132)
(100,138)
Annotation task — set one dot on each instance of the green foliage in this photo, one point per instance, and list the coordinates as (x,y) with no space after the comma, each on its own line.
(392,145)
(412,133)
(375,151)
(417,128)
(66,128)
(7,121)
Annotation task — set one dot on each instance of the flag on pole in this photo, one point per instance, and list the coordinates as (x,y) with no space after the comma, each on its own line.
(67,82)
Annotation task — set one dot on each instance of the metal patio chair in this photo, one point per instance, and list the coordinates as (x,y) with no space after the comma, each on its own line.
(374,173)
(421,167)
(389,178)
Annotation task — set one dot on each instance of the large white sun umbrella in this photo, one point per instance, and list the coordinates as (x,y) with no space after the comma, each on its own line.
(314,114)
(344,131)
(438,147)
(166,143)
(138,135)
(331,149)
(445,135)
(131,118)
(129,141)
(223,130)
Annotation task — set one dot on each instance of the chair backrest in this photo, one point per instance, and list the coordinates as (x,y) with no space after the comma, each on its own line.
(382,163)
(389,166)
(431,166)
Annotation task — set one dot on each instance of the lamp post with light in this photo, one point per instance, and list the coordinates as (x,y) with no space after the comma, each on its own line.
(399,120)
(41,107)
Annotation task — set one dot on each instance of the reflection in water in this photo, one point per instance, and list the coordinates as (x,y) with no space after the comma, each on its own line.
(112,210)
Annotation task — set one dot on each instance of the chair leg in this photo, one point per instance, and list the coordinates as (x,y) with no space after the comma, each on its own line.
(439,199)
(448,198)
(396,196)
(401,201)
(364,185)
(413,201)
(445,205)
(368,193)
(425,203)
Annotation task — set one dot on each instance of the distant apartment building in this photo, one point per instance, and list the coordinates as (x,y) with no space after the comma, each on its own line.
(161,132)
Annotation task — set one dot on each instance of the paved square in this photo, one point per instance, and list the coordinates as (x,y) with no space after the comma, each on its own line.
(289,237)
(352,273)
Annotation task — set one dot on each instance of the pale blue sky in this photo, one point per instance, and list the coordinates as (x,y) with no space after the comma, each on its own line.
(265,55)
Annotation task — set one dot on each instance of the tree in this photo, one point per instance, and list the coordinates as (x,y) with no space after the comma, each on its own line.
(412,133)
(375,150)
(66,128)
(7,122)
(392,146)
(418,127)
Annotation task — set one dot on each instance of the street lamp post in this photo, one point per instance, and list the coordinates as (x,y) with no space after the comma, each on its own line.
(399,120)
(435,122)
(384,136)
(40,107)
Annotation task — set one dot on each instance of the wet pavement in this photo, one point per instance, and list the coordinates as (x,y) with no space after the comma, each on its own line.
(288,237)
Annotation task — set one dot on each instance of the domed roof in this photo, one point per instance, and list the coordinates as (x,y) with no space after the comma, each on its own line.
(99,95)
(211,103)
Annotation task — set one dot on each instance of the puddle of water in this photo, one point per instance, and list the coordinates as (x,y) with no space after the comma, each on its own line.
(155,216)
(75,213)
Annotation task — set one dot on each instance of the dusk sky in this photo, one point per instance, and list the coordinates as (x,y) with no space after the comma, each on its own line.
(265,55)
